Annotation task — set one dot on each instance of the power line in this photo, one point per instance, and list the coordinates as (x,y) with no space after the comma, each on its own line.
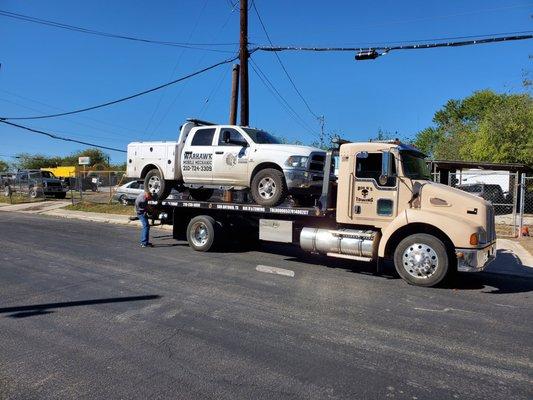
(193,46)
(281,63)
(124,98)
(175,67)
(387,49)
(60,137)
(275,92)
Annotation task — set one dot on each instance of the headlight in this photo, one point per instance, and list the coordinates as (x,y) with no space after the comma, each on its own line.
(297,161)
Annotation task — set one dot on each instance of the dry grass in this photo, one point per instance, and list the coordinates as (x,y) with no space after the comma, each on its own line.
(102,208)
(19,199)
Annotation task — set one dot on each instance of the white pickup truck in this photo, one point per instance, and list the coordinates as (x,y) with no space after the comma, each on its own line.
(208,156)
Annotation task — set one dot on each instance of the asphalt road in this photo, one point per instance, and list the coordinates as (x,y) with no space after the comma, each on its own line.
(87,314)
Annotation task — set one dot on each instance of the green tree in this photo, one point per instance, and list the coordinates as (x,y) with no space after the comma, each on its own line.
(3,166)
(485,126)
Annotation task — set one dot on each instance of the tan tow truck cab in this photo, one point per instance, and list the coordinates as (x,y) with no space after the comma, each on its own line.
(383,205)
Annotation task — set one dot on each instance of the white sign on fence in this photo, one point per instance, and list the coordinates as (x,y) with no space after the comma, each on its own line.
(84,160)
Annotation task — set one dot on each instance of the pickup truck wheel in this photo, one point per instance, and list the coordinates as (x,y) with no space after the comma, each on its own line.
(201,194)
(33,193)
(201,233)
(269,187)
(157,185)
(422,260)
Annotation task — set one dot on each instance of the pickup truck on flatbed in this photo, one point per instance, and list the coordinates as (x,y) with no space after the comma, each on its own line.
(382,206)
(207,157)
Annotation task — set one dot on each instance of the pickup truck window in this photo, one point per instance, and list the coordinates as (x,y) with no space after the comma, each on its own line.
(234,138)
(203,137)
(370,167)
(261,137)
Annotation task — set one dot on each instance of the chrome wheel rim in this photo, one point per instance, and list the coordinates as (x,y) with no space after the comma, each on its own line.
(267,188)
(200,234)
(420,260)
(154,184)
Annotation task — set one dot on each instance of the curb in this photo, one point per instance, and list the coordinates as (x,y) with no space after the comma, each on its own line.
(115,219)
(525,258)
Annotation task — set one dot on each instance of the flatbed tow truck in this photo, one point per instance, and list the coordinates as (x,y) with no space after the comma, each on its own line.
(381,206)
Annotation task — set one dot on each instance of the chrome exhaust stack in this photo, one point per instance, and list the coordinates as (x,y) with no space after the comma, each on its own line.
(345,243)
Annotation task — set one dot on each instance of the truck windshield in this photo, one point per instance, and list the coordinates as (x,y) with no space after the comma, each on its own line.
(261,137)
(414,166)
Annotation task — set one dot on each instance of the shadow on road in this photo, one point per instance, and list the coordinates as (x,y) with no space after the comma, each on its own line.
(42,309)
(504,275)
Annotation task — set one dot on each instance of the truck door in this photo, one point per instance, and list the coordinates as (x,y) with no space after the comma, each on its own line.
(231,158)
(197,159)
(371,199)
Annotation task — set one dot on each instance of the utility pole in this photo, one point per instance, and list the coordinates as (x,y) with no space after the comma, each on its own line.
(243,55)
(321,121)
(234,94)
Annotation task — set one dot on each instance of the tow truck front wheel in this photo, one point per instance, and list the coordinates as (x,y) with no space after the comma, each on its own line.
(156,184)
(422,260)
(202,232)
(269,187)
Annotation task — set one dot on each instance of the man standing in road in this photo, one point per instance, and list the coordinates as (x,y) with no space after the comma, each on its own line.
(141,207)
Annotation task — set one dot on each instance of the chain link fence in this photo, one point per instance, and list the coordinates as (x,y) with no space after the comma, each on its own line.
(102,187)
(30,186)
(525,206)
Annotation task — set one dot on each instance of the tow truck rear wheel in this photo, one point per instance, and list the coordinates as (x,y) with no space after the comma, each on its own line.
(422,260)
(157,185)
(202,233)
(269,187)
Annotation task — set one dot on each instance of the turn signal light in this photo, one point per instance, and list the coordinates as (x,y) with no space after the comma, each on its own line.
(474,239)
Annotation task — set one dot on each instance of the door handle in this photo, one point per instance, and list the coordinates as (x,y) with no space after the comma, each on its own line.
(219,152)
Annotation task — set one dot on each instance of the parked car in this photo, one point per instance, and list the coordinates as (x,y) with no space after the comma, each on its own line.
(126,194)
(35,183)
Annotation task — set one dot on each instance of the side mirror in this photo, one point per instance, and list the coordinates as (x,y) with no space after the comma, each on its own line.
(226,136)
(386,167)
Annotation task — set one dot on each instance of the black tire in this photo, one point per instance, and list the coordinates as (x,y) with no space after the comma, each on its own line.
(201,194)
(123,200)
(157,185)
(60,195)
(202,233)
(33,193)
(422,260)
(269,187)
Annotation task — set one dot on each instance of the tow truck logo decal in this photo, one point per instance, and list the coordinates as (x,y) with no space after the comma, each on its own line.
(364,194)
(230,159)
(197,162)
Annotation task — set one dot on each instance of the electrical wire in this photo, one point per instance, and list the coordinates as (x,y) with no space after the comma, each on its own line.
(278,96)
(387,49)
(193,46)
(51,135)
(178,61)
(281,63)
(127,97)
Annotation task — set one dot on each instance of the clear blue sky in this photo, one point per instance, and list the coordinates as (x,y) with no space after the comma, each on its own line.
(45,69)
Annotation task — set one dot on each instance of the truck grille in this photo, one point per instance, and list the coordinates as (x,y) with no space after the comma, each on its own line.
(53,184)
(317,162)
(491,226)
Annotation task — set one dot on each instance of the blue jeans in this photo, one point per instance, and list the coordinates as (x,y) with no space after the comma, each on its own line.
(145,231)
